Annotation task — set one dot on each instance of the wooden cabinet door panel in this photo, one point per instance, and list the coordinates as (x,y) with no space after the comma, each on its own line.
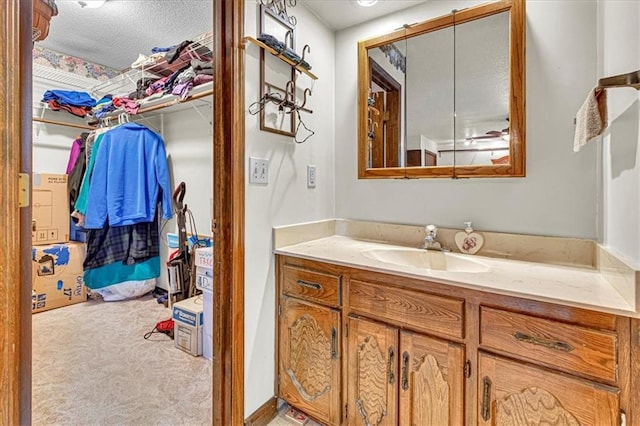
(309,359)
(512,393)
(372,373)
(431,381)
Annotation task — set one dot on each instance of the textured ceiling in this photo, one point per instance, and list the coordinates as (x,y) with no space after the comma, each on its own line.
(340,14)
(115,33)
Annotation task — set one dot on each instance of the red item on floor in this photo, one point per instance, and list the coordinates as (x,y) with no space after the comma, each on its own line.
(165,326)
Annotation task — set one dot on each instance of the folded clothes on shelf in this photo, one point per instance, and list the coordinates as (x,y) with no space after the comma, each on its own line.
(282,49)
(78,111)
(69,97)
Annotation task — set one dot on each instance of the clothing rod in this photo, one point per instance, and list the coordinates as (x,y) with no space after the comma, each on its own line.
(62,123)
(631,79)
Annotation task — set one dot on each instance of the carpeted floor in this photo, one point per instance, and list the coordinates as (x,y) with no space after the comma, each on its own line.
(92,366)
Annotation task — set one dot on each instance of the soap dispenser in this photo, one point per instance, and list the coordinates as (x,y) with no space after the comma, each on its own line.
(468,241)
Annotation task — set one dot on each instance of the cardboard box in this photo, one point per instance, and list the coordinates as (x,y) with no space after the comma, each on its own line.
(188,323)
(204,257)
(204,279)
(50,223)
(203,260)
(57,276)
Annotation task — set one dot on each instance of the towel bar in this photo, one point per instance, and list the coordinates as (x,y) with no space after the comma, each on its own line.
(631,79)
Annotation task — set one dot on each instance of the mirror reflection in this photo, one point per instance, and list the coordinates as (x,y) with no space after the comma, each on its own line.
(441,97)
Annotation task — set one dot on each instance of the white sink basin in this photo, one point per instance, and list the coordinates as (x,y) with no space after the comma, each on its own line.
(427,259)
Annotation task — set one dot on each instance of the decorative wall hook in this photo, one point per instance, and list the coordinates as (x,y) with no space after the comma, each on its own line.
(279,7)
(305,49)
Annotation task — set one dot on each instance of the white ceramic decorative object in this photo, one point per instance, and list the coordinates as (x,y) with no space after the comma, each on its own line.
(469,242)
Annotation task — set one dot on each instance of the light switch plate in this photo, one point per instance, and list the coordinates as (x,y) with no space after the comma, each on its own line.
(311,176)
(258,170)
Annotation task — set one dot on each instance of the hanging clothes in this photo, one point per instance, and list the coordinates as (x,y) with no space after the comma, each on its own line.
(76,168)
(124,192)
(130,175)
(127,244)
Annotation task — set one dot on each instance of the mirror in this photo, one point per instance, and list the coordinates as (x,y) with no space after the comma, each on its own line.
(445,97)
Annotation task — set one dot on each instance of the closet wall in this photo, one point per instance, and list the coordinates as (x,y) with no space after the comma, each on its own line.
(286,198)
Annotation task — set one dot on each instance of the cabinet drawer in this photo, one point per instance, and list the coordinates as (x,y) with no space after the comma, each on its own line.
(424,312)
(311,285)
(571,348)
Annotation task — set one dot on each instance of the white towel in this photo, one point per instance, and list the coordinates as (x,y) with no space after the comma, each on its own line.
(591,119)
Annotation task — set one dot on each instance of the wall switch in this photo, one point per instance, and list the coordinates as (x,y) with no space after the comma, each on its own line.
(311,176)
(258,170)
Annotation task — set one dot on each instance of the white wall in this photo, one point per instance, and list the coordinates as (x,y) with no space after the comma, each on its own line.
(286,198)
(619,40)
(189,146)
(558,196)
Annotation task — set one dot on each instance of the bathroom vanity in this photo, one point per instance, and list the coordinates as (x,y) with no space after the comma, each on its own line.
(367,337)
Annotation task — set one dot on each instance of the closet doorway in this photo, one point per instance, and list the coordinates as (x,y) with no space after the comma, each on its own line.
(228,214)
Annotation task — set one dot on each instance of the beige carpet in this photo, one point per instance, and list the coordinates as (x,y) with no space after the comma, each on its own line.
(92,366)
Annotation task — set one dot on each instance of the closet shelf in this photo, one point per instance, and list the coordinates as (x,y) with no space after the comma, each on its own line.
(201,95)
(201,49)
(281,57)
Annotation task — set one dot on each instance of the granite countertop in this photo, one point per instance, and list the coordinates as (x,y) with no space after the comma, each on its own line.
(582,287)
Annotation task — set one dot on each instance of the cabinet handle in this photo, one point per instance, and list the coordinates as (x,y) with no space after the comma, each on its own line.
(486,399)
(307,284)
(334,343)
(392,374)
(540,341)
(405,370)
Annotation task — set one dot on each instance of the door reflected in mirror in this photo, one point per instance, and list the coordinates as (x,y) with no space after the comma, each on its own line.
(445,97)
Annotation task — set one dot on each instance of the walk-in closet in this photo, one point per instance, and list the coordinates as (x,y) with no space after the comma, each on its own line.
(123,121)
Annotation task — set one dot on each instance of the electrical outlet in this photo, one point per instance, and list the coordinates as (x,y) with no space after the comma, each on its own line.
(311,176)
(258,170)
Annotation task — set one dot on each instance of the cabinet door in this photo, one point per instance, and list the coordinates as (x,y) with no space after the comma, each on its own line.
(512,393)
(309,369)
(431,381)
(372,373)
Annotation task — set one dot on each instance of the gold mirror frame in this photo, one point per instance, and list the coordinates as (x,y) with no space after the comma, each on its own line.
(517,122)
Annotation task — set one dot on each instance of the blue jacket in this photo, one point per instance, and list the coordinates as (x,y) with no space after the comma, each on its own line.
(129,174)
(69,97)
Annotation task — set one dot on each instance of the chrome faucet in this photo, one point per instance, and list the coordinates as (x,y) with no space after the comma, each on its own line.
(430,242)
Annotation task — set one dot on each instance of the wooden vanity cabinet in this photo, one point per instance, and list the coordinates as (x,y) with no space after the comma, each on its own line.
(423,353)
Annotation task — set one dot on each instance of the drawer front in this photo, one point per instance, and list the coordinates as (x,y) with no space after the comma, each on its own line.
(571,348)
(424,312)
(311,285)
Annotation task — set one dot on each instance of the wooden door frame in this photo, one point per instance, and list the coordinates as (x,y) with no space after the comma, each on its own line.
(228,180)
(15,268)
(228,184)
